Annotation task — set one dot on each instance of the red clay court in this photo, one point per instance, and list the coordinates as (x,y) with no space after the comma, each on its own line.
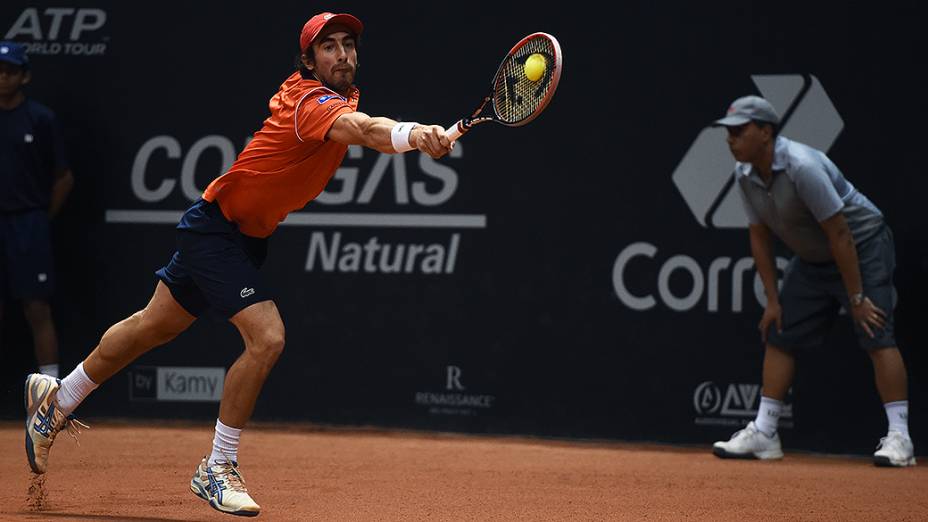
(141,471)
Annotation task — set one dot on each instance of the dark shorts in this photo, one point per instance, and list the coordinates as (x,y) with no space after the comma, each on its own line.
(26,262)
(812,296)
(215,267)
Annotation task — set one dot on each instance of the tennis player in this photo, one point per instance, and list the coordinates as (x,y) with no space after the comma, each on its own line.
(222,243)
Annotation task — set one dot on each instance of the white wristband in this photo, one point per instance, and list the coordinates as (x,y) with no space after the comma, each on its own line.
(399,135)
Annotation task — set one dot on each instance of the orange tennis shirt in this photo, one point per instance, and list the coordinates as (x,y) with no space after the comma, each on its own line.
(288,162)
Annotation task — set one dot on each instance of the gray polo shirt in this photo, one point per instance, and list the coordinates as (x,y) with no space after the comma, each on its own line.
(806,188)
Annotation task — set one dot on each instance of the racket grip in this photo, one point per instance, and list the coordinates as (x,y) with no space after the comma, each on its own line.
(454,132)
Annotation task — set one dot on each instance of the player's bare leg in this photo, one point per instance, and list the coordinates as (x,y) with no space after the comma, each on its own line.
(39,316)
(159,322)
(896,448)
(217,479)
(263,332)
(50,403)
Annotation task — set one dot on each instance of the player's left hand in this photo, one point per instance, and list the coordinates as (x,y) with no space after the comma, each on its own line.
(432,140)
(868,316)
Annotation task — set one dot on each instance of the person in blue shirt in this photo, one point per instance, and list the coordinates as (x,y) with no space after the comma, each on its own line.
(34,182)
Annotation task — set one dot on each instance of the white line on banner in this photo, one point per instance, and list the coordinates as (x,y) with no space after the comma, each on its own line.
(322,219)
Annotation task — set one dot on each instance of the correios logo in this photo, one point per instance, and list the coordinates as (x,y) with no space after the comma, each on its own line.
(705,283)
(705,179)
(704,176)
(60,30)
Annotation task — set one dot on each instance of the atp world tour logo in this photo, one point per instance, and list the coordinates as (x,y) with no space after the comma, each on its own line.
(60,31)
(704,175)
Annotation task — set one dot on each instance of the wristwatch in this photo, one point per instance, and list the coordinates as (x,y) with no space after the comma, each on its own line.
(856,299)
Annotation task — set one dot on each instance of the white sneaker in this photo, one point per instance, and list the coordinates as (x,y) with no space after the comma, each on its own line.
(896,450)
(44,420)
(749,443)
(224,488)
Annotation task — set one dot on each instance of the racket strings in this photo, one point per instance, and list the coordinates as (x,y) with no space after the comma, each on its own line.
(515,96)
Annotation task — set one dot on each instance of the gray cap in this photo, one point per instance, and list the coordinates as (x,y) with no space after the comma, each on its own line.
(746,109)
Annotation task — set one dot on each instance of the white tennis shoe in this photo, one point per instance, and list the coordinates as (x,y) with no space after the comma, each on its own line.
(895,450)
(224,488)
(749,443)
(44,420)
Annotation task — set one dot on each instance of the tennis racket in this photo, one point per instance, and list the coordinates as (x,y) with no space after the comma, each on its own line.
(522,87)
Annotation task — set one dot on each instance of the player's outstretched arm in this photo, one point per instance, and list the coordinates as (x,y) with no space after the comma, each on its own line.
(389,136)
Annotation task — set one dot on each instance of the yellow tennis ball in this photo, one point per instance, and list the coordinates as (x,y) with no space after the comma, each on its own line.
(535,67)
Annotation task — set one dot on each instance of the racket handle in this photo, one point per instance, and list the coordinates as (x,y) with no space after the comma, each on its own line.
(455,131)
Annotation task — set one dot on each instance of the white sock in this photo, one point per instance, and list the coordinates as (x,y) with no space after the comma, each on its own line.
(49,369)
(897,413)
(225,444)
(74,389)
(768,416)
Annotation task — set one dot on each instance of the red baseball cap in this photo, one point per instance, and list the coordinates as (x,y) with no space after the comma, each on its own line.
(315,25)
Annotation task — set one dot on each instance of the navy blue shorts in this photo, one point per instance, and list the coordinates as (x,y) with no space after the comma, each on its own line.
(26,262)
(215,267)
(813,294)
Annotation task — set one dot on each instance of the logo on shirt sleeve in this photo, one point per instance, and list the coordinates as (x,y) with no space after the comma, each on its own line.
(327,97)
